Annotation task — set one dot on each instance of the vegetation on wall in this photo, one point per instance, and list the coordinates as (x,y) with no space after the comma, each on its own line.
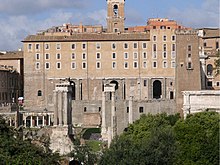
(167,140)
(15,150)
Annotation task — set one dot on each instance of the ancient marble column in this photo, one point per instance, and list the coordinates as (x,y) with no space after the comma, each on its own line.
(113,118)
(103,114)
(55,108)
(65,108)
(60,108)
(130,113)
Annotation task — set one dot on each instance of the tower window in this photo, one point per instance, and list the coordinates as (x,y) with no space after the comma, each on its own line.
(115,10)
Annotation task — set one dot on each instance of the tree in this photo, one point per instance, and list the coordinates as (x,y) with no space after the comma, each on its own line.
(198,139)
(150,140)
(15,150)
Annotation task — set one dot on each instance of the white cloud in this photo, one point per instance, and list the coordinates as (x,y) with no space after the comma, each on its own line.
(21,7)
(15,28)
(206,15)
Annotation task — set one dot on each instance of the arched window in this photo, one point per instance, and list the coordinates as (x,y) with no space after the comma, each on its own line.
(39,93)
(157,89)
(115,10)
(116,84)
(209,69)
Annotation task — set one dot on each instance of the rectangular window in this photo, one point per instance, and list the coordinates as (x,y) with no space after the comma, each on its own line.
(47,56)
(173,55)
(58,56)
(98,46)
(83,46)
(164,55)
(47,46)
(189,65)
(189,48)
(37,56)
(164,64)
(173,38)
(144,45)
(173,64)
(113,45)
(173,47)
(73,56)
(154,55)
(84,56)
(73,46)
(47,65)
(217,45)
(29,46)
(144,55)
(98,56)
(126,65)
(164,38)
(209,83)
(113,65)
(58,46)
(135,45)
(154,47)
(98,65)
(144,64)
(154,64)
(164,47)
(154,38)
(135,64)
(58,65)
(141,109)
(37,66)
(145,83)
(84,65)
(126,55)
(73,65)
(113,55)
(37,46)
(125,45)
(135,55)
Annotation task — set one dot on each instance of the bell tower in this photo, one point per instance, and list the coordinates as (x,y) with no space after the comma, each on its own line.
(115,15)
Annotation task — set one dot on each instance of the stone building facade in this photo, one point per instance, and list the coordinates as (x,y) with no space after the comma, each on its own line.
(115,75)
(139,64)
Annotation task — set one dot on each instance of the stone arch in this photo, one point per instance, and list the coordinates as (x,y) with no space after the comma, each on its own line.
(115,10)
(157,89)
(116,84)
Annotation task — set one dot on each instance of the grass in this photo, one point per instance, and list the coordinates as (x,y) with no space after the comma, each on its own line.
(94,145)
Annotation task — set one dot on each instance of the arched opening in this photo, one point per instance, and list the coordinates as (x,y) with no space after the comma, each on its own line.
(39,93)
(115,10)
(157,89)
(116,84)
(209,69)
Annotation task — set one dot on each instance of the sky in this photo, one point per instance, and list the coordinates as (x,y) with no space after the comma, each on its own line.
(20,18)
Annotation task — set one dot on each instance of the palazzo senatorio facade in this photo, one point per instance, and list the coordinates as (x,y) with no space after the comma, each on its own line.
(111,75)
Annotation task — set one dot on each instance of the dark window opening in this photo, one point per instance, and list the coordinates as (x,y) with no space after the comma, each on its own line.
(116,84)
(141,109)
(171,95)
(209,69)
(145,83)
(189,65)
(217,45)
(39,93)
(209,83)
(100,109)
(115,10)
(85,109)
(157,89)
(127,109)
(73,90)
